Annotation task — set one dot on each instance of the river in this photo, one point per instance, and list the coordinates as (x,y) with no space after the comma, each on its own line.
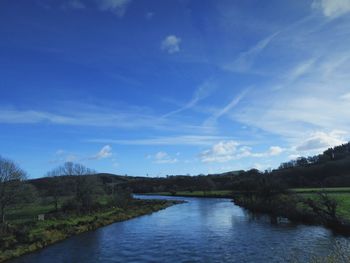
(201,230)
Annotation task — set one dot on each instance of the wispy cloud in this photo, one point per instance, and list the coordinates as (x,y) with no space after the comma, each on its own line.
(332,8)
(117,7)
(97,116)
(212,119)
(62,156)
(202,92)
(309,94)
(105,152)
(162,158)
(171,44)
(245,60)
(171,140)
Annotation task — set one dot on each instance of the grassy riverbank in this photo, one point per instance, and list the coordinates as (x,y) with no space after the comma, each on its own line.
(329,207)
(30,236)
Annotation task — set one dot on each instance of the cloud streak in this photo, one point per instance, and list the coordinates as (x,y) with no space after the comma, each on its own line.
(95,116)
(234,102)
(244,62)
(202,92)
(199,140)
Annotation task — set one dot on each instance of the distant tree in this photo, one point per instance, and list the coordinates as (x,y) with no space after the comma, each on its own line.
(84,185)
(11,185)
(302,161)
(207,185)
(121,197)
(55,188)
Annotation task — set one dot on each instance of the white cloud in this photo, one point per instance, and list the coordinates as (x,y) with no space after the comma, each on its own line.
(170,140)
(294,156)
(312,96)
(171,44)
(105,152)
(332,8)
(321,141)
(162,158)
(118,7)
(275,150)
(231,150)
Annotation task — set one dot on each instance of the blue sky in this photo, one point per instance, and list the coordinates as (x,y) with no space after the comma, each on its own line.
(172,87)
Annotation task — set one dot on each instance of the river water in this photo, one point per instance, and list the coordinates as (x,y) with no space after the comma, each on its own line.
(201,230)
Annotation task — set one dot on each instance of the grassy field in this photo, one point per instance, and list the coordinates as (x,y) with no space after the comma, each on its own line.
(328,190)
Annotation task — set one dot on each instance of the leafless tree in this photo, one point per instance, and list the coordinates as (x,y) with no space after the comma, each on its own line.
(83,186)
(11,177)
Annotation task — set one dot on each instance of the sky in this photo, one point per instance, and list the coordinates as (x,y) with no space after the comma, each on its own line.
(166,87)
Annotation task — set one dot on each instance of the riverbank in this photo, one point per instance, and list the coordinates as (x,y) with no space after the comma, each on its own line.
(327,207)
(33,236)
(203,194)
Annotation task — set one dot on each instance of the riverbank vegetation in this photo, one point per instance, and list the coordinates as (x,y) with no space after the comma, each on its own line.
(314,189)
(319,206)
(71,200)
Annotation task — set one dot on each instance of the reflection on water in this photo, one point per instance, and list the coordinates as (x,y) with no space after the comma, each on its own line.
(201,230)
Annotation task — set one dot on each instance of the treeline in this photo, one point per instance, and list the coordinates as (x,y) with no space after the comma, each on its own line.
(329,169)
(74,187)
(332,154)
(70,188)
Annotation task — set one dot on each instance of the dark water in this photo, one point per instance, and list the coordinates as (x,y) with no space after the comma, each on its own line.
(202,230)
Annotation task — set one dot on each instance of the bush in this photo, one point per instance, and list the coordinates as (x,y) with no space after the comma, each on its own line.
(70,205)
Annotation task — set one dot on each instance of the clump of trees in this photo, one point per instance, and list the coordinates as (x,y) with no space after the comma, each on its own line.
(83,185)
(13,189)
(69,188)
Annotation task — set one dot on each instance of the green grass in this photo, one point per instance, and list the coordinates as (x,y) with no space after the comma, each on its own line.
(340,194)
(343,200)
(328,190)
(38,234)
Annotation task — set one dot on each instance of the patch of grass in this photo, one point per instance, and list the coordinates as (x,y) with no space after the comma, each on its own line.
(342,198)
(328,190)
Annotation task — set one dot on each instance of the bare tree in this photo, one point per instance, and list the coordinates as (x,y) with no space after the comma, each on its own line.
(11,177)
(83,186)
(55,186)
